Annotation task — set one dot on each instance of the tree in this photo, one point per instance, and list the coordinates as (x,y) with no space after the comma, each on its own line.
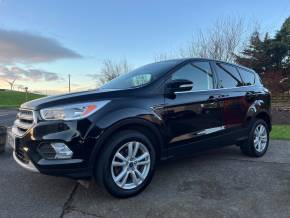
(278,54)
(221,42)
(110,70)
(254,55)
(269,54)
(165,56)
(282,45)
(20,87)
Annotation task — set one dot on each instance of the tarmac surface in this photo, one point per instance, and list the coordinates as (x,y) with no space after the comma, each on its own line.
(218,183)
(7,116)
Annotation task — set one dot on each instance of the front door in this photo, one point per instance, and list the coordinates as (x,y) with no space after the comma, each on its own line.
(195,115)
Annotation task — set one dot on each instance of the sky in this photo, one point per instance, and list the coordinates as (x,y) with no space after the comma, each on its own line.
(41,42)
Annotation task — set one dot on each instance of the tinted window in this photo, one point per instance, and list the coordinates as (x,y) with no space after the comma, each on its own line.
(199,73)
(247,76)
(140,76)
(228,75)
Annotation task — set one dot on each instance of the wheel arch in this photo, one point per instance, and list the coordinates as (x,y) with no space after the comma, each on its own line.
(145,127)
(266,117)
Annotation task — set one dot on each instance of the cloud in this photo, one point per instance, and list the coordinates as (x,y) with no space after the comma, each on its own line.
(21,74)
(24,47)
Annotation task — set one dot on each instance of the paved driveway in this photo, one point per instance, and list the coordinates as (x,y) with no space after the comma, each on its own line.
(7,116)
(221,183)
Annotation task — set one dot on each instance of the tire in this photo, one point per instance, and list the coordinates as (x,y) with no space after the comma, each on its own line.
(107,174)
(252,149)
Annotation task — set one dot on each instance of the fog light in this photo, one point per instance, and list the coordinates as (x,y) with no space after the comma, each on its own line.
(61,151)
(25,149)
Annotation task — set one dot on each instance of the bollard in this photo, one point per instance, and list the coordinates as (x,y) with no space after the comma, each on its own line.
(3,135)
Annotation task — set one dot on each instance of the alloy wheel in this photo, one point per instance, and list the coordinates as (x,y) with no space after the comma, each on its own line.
(130,165)
(260,138)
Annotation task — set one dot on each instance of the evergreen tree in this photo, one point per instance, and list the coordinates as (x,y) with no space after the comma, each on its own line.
(267,43)
(282,46)
(283,35)
(253,56)
(270,53)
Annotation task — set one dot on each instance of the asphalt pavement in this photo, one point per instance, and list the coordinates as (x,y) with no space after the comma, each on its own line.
(7,116)
(219,183)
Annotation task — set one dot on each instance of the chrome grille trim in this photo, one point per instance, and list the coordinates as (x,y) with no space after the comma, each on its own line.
(25,117)
(17,132)
(22,125)
(25,120)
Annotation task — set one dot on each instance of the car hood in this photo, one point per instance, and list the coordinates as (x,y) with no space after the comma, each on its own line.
(76,97)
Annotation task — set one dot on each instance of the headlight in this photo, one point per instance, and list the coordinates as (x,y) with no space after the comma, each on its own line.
(72,111)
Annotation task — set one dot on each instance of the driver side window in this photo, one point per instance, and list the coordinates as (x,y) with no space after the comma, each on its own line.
(199,73)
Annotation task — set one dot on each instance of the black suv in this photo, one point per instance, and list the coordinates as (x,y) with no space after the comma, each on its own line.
(118,133)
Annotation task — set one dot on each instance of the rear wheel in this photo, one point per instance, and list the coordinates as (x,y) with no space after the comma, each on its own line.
(127,164)
(258,141)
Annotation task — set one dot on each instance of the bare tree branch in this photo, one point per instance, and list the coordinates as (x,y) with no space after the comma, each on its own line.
(111,70)
(221,41)
(165,56)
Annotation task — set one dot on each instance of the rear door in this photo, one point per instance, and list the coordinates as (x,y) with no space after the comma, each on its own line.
(232,91)
(194,115)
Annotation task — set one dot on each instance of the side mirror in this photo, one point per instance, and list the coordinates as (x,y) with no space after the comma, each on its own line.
(179,85)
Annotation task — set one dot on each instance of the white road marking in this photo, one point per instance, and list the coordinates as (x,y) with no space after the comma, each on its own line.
(3,115)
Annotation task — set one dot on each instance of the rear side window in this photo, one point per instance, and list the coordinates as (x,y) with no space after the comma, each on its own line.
(247,76)
(198,72)
(228,75)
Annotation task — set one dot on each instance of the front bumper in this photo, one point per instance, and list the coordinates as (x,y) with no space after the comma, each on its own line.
(28,166)
(26,149)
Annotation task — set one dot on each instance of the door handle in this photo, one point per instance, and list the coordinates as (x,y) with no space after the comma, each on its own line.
(223,96)
(212,99)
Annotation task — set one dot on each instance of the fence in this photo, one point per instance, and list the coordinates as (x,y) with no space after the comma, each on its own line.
(281,102)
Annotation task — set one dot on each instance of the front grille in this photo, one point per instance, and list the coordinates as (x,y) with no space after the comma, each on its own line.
(24,121)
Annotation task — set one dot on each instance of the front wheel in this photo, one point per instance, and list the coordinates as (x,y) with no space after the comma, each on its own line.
(127,164)
(258,141)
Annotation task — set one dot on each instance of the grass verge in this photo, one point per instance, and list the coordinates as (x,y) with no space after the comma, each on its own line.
(281,132)
(13,99)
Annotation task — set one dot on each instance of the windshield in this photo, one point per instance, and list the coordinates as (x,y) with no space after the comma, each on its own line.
(140,76)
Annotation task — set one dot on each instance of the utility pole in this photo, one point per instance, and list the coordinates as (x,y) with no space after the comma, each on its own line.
(69,83)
